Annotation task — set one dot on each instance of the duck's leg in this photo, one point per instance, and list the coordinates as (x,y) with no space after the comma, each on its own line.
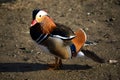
(56,65)
(60,63)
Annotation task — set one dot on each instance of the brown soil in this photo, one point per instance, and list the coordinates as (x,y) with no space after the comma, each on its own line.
(22,59)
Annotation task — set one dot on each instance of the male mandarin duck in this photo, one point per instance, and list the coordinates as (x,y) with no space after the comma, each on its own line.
(57,39)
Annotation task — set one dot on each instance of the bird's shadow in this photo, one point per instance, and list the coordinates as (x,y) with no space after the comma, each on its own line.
(6,1)
(26,67)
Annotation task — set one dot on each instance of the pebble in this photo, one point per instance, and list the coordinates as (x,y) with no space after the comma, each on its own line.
(88,13)
(14,55)
(93,21)
(70,9)
(38,53)
(113,61)
(16,46)
(86,29)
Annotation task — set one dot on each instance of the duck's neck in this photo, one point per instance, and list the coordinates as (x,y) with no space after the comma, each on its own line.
(35,32)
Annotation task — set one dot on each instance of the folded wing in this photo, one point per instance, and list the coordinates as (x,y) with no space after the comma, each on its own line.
(63,32)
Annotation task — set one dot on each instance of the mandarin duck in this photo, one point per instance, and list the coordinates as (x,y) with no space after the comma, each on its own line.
(57,39)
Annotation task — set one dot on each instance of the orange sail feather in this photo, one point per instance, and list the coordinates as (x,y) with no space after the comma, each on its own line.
(79,40)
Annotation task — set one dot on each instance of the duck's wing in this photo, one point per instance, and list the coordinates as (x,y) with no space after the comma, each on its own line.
(63,32)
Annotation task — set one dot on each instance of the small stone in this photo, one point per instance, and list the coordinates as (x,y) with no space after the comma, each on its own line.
(93,21)
(70,9)
(111,19)
(113,61)
(31,51)
(16,45)
(88,13)
(86,29)
(38,52)
(14,55)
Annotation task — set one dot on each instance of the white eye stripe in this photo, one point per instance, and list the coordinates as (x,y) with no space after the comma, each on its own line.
(41,13)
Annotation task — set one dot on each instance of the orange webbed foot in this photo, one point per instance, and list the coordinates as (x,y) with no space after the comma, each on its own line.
(55,66)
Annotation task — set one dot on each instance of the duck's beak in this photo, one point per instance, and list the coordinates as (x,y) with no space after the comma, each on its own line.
(33,23)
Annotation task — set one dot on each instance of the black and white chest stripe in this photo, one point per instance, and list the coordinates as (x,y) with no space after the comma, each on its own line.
(41,38)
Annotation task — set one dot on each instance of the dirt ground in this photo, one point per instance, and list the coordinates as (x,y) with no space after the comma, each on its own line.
(22,59)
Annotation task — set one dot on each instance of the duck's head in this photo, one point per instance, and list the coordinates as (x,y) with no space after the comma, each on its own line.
(41,17)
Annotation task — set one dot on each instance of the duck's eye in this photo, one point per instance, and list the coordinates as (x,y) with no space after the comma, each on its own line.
(39,15)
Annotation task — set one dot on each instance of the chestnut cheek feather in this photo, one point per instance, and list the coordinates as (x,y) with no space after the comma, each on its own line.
(48,25)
